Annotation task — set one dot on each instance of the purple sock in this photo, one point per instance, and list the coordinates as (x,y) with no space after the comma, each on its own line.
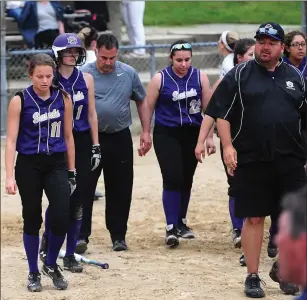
(31,244)
(54,246)
(72,237)
(185,200)
(171,204)
(237,223)
(47,223)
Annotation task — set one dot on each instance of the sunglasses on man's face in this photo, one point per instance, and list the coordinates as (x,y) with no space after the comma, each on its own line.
(185,46)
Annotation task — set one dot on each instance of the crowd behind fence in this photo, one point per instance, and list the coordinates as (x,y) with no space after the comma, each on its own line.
(205,56)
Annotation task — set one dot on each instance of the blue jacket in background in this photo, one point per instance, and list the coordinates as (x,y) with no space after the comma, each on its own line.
(28,22)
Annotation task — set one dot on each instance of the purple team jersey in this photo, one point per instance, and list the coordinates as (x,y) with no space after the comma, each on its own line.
(302,67)
(180,99)
(41,128)
(76,87)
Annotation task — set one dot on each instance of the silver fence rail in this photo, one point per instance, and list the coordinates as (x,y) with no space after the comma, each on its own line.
(15,63)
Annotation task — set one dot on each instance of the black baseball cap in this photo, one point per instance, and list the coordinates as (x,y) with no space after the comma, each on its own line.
(272,30)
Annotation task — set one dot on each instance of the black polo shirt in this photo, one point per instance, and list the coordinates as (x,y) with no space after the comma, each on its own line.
(266,111)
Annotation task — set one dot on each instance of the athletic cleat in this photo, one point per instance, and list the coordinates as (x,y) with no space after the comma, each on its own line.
(34,282)
(184,231)
(81,247)
(171,237)
(59,281)
(43,249)
(242,261)
(272,249)
(236,238)
(71,264)
(287,288)
(252,286)
(119,245)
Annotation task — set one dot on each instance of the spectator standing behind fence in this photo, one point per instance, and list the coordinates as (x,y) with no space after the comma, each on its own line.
(292,239)
(133,15)
(41,22)
(295,51)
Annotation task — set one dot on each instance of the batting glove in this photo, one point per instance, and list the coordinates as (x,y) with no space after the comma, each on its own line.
(72,180)
(96,156)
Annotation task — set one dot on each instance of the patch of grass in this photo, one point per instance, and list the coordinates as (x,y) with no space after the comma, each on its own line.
(180,13)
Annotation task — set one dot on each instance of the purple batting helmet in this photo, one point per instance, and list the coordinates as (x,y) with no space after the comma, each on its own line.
(65,41)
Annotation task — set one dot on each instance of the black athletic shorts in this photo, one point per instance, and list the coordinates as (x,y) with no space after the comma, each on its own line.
(260,186)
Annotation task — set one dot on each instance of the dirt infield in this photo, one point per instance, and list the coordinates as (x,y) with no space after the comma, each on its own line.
(203,269)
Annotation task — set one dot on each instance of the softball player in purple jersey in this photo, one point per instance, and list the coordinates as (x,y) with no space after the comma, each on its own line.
(295,51)
(178,94)
(68,53)
(40,130)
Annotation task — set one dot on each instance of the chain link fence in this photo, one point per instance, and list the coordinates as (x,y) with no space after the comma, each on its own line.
(205,57)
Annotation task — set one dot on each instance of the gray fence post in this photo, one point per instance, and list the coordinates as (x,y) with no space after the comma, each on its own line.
(3,97)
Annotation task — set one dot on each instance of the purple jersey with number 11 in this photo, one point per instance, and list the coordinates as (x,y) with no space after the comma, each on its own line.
(180,99)
(76,87)
(41,127)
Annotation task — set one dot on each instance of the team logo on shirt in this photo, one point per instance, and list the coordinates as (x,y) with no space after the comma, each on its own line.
(72,40)
(54,114)
(184,95)
(290,85)
(195,107)
(77,97)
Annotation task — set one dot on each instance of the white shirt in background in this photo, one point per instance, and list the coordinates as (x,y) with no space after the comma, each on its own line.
(14,4)
(227,65)
(90,57)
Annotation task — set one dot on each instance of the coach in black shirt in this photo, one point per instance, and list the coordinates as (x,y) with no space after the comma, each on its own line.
(259,107)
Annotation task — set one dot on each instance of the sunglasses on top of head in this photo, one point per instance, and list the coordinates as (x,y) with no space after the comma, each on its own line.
(271,31)
(185,46)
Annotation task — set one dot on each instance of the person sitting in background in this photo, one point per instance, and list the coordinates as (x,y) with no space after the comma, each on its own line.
(292,240)
(41,22)
(295,51)
(13,9)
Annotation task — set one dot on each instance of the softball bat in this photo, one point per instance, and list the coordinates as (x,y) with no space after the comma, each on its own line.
(81,258)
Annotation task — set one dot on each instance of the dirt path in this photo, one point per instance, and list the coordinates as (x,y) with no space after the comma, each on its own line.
(204,268)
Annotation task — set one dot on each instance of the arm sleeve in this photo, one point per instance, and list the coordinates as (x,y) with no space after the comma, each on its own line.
(223,99)
(138,91)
